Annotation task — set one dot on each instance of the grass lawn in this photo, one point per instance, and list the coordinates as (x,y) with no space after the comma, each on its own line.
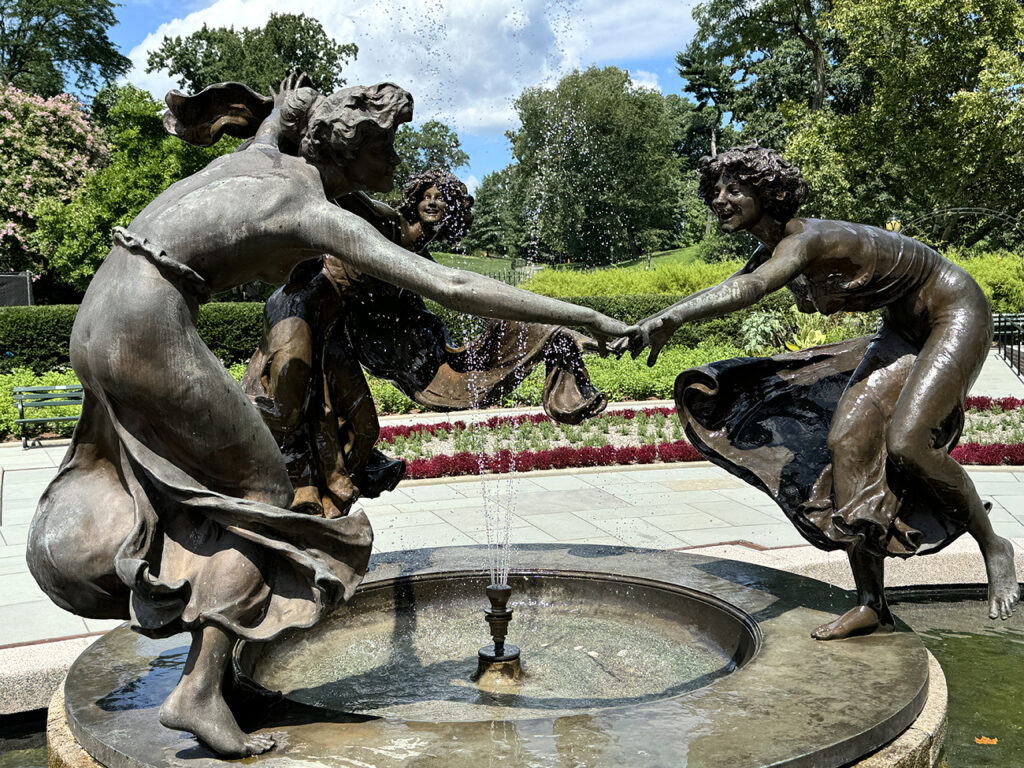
(493,267)
(480,264)
(673,258)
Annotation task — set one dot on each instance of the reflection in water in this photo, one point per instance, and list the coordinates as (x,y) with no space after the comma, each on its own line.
(150,689)
(984,664)
(23,740)
(414,660)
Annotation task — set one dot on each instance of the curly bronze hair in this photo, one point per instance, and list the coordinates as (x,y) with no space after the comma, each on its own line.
(338,124)
(779,184)
(458,203)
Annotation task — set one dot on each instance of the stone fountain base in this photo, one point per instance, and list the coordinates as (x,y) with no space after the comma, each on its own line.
(789,701)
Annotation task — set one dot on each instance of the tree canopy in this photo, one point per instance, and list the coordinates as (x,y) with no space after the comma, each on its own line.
(260,57)
(47,147)
(596,177)
(432,145)
(890,107)
(47,46)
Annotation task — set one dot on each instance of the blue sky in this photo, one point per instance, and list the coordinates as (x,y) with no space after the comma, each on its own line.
(464,61)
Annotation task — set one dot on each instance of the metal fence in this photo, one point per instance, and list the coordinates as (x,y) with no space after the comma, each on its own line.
(15,289)
(1009,336)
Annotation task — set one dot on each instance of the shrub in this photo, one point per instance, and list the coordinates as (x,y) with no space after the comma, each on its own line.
(681,279)
(231,330)
(35,338)
(1000,275)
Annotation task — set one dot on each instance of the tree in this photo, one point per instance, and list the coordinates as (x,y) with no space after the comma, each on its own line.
(260,57)
(711,83)
(944,124)
(779,52)
(47,45)
(490,229)
(432,145)
(144,160)
(596,177)
(47,147)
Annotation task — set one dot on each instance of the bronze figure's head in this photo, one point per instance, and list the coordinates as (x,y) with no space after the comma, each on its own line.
(778,185)
(439,201)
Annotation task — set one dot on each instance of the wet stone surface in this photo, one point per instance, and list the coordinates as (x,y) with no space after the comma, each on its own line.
(795,702)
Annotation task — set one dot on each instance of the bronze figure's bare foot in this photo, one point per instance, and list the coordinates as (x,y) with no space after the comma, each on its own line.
(861,620)
(209,720)
(1003,589)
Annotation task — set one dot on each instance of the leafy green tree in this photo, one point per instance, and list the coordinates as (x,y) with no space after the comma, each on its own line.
(711,82)
(47,147)
(432,145)
(47,45)
(778,52)
(144,160)
(596,177)
(490,216)
(944,126)
(260,57)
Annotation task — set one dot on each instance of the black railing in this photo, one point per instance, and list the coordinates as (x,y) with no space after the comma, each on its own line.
(1009,336)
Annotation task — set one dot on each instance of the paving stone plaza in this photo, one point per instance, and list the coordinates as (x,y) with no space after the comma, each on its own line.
(688,506)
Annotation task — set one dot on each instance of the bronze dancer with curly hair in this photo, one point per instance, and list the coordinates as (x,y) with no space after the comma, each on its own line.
(326,325)
(883,481)
(435,206)
(171,506)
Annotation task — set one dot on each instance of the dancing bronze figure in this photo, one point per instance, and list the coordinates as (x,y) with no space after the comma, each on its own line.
(326,325)
(852,440)
(171,507)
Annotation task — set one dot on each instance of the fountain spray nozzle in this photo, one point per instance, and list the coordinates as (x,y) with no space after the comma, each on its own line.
(498,664)
(499,615)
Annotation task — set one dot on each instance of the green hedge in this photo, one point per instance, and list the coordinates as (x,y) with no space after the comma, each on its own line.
(37,337)
(621,379)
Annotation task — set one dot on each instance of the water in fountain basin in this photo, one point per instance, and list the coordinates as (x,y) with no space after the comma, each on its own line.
(411,657)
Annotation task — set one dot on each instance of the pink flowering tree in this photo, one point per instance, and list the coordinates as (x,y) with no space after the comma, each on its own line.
(47,148)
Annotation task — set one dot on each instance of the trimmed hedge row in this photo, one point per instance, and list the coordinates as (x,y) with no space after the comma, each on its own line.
(37,337)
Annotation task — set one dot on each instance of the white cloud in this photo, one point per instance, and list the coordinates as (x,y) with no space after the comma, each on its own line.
(642,79)
(465,61)
(471,182)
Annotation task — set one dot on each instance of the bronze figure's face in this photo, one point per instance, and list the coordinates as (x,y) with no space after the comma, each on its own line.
(431,206)
(736,203)
(373,167)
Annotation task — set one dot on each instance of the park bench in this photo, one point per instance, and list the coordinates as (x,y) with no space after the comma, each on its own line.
(46,397)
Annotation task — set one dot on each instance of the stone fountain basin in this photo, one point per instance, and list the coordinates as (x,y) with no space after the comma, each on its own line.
(790,701)
(407,647)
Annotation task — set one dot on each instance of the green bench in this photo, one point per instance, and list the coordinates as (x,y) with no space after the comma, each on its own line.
(46,397)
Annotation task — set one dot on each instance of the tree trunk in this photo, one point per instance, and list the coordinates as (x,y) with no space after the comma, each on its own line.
(951,222)
(818,55)
(714,154)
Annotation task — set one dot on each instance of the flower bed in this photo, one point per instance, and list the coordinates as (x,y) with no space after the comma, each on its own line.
(642,436)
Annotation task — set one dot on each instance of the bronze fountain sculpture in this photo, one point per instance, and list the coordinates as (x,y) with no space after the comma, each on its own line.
(332,320)
(852,440)
(171,507)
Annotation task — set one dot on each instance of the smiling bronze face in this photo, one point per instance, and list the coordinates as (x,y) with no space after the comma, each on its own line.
(736,203)
(431,206)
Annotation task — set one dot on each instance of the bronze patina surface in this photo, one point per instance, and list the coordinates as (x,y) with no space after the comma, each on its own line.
(329,323)
(852,440)
(172,505)
(789,704)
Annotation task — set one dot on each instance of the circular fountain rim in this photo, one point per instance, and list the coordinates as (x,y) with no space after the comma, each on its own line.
(784,697)
(247,655)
